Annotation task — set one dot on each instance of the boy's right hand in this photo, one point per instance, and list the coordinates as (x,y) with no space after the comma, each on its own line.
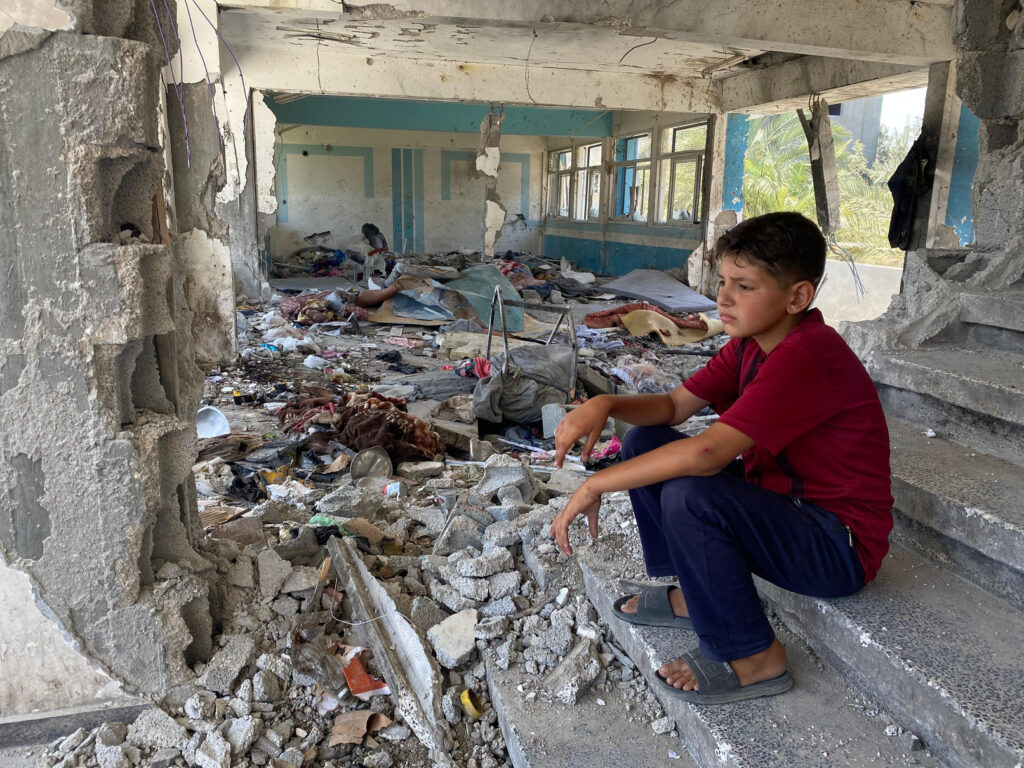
(589,419)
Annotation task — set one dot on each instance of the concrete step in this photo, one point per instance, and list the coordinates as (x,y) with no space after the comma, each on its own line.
(600,730)
(999,309)
(986,381)
(963,507)
(943,654)
(821,722)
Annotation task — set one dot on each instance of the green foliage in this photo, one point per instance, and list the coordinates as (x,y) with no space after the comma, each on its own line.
(777,177)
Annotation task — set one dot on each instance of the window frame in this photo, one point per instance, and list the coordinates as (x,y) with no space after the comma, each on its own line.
(670,160)
(615,200)
(555,176)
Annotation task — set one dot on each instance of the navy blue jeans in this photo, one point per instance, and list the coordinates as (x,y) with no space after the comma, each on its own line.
(713,532)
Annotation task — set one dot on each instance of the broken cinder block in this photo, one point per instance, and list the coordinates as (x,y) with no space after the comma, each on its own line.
(574,674)
(454,639)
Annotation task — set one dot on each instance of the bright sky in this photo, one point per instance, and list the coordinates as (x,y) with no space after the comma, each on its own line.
(898,109)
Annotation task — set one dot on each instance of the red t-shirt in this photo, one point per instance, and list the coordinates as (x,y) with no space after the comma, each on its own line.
(817,426)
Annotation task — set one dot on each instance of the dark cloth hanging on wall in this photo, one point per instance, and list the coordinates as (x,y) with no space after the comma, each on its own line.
(907,184)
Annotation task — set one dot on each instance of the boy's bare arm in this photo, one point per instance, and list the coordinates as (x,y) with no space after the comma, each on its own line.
(706,454)
(589,419)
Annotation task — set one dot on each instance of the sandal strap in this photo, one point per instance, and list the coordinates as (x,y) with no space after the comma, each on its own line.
(654,603)
(712,676)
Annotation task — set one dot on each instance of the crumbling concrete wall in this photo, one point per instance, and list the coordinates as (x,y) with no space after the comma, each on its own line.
(98,382)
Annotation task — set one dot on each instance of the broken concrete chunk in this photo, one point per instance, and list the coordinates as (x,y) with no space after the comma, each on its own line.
(662,725)
(565,481)
(110,734)
(480,450)
(455,435)
(501,471)
(454,639)
(266,687)
(558,640)
(551,415)
(164,758)
(449,597)
(431,518)
(503,607)
(272,662)
(301,578)
(462,533)
(214,752)
(353,502)
(502,534)
(240,573)
(450,706)
(273,572)
(504,584)
(489,629)
(227,663)
(155,729)
(475,589)
(426,613)
(488,564)
(200,705)
(574,674)
(420,470)
(242,733)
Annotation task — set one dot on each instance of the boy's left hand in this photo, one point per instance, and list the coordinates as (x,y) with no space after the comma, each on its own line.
(584,502)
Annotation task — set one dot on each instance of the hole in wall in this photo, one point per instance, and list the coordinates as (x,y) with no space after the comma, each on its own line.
(196,615)
(129,184)
(166,348)
(147,387)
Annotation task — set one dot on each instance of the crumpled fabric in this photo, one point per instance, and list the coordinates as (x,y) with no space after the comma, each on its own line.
(612,318)
(536,376)
(319,307)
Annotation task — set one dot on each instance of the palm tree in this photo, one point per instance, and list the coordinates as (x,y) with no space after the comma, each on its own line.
(777,177)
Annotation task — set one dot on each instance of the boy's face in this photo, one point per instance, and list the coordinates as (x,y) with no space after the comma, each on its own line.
(752,302)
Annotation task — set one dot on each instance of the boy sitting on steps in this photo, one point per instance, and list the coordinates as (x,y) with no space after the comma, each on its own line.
(809,509)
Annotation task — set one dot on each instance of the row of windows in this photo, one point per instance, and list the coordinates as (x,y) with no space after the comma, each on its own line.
(576,176)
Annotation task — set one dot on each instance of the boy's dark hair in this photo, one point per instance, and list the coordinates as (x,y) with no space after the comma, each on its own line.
(788,246)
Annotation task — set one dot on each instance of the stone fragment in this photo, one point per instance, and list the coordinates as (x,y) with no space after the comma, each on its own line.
(111,734)
(349,501)
(227,663)
(72,742)
(480,450)
(462,533)
(241,733)
(475,589)
(504,584)
(502,534)
(301,578)
(155,729)
(509,512)
(214,752)
(565,481)
(503,607)
(420,470)
(454,434)
(109,738)
(454,639)
(910,742)
(502,471)
(450,706)
(292,755)
(244,690)
(200,705)
(164,758)
(662,725)
(273,572)
(272,662)
(395,732)
(489,629)
(379,759)
(450,597)
(558,639)
(240,573)
(574,674)
(285,606)
(551,415)
(431,518)
(487,564)
(426,613)
(266,687)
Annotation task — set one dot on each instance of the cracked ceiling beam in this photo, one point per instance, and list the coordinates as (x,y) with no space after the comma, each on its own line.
(336,73)
(887,31)
(786,86)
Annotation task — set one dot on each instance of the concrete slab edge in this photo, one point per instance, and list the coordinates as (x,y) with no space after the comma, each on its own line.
(44,727)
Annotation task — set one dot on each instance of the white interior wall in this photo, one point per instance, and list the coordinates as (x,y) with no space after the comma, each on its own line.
(326,190)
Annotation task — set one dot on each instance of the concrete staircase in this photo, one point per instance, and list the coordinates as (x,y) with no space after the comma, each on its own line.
(937,640)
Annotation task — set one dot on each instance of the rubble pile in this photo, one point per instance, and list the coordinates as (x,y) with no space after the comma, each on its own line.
(371,531)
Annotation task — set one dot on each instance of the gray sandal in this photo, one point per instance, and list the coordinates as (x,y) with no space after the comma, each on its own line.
(653,609)
(718,684)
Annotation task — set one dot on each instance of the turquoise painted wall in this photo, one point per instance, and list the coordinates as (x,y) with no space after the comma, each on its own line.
(960,206)
(737,135)
(440,116)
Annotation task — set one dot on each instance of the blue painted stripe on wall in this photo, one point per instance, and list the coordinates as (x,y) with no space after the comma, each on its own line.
(440,116)
(281,152)
(737,136)
(611,257)
(626,228)
(396,198)
(408,237)
(449,156)
(418,215)
(960,206)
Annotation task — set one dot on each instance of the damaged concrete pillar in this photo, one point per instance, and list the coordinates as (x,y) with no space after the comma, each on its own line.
(488,158)
(98,382)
